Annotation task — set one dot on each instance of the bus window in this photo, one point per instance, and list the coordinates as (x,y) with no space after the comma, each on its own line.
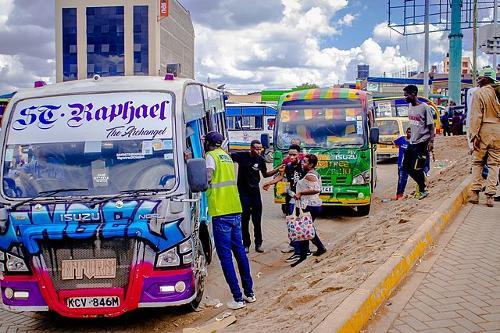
(221,124)
(193,103)
(270,123)
(251,123)
(388,127)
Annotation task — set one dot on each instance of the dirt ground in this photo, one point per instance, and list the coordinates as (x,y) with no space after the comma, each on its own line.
(300,298)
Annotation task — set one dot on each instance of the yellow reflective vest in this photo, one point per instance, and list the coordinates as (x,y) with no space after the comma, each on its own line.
(223,197)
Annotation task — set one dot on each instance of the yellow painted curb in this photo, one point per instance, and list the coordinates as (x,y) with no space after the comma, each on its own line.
(356,310)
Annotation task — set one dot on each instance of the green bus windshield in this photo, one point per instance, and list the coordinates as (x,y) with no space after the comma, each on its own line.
(323,123)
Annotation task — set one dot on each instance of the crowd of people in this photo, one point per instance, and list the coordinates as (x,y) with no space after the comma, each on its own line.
(234,201)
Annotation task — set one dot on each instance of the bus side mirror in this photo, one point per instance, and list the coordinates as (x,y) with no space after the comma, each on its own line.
(374,135)
(264,139)
(197,175)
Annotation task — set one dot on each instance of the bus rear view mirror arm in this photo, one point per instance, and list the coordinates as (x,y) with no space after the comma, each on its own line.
(374,135)
(197,175)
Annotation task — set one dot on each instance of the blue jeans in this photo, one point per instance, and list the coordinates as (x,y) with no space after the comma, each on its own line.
(402,180)
(227,237)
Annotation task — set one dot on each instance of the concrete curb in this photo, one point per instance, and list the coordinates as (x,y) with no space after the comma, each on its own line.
(356,310)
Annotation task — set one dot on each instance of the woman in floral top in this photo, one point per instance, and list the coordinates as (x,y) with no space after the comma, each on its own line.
(307,196)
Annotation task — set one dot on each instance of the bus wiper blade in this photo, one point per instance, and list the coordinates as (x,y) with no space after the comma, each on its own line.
(123,193)
(48,193)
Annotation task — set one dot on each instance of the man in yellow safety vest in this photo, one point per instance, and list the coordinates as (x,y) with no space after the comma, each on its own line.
(225,209)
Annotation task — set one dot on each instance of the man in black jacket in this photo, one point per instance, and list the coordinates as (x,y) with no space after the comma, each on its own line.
(249,166)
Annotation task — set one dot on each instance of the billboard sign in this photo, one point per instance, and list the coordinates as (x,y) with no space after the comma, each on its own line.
(92,117)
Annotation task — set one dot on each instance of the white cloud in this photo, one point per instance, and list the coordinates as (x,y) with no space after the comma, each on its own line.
(27,43)
(291,51)
(6,6)
(347,20)
(247,45)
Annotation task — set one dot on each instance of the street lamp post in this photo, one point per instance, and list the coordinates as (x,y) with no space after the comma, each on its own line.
(456,36)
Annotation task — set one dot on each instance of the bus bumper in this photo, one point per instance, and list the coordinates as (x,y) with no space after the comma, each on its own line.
(354,195)
(146,288)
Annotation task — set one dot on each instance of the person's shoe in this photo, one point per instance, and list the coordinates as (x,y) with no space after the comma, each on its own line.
(290,249)
(259,249)
(235,305)
(319,252)
(497,198)
(489,201)
(399,196)
(298,262)
(421,195)
(474,197)
(293,257)
(249,299)
(247,249)
(309,253)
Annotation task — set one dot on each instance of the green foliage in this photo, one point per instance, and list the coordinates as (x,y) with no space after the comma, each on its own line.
(306,85)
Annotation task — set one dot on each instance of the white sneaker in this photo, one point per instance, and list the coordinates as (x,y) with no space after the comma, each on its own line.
(235,305)
(249,299)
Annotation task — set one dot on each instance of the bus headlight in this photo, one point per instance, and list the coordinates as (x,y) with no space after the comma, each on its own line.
(186,246)
(187,258)
(15,264)
(362,179)
(169,258)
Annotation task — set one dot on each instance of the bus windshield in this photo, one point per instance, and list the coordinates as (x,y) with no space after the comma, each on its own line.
(325,123)
(104,143)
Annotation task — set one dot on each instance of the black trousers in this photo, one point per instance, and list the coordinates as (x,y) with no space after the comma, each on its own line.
(251,204)
(414,161)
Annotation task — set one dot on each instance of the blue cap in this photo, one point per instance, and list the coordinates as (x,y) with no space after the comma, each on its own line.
(214,138)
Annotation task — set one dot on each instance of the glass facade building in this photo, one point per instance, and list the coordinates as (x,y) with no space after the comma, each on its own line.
(70,63)
(122,38)
(141,44)
(105,41)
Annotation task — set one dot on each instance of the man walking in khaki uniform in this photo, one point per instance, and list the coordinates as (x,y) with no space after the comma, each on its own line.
(485,136)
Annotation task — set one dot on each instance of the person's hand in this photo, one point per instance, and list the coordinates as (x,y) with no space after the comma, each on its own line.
(281,168)
(266,187)
(475,143)
(297,196)
(430,146)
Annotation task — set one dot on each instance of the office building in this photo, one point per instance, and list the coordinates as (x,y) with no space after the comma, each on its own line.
(466,65)
(363,72)
(122,37)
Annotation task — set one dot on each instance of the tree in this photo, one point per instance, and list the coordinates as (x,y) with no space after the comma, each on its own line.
(306,86)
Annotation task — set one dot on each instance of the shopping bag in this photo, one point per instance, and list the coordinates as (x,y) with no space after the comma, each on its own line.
(300,227)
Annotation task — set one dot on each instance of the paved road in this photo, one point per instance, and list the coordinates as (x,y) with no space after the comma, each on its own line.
(333,226)
(457,287)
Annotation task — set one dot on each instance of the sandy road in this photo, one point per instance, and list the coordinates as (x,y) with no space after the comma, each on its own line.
(334,225)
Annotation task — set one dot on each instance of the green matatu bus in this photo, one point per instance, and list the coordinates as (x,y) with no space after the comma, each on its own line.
(336,124)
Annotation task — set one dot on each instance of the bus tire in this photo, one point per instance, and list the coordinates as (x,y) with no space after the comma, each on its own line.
(200,283)
(363,210)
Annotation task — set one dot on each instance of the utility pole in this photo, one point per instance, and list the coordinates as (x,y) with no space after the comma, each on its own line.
(495,17)
(474,46)
(426,50)
(456,36)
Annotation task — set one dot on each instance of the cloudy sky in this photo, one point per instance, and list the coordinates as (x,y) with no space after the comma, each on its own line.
(249,45)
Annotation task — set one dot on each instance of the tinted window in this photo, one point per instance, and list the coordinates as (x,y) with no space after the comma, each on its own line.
(141,45)
(105,41)
(70,68)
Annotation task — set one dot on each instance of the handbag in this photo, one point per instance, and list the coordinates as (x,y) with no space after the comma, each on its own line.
(300,228)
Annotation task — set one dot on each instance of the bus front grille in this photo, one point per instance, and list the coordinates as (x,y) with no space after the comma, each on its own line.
(88,264)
